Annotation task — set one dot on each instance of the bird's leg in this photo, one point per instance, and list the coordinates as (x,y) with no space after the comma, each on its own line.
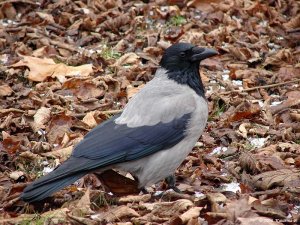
(171,182)
(143,189)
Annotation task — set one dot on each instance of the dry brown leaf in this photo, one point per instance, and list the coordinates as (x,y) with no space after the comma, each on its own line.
(131,91)
(59,125)
(115,214)
(248,162)
(288,73)
(286,104)
(164,209)
(82,208)
(278,59)
(193,212)
(18,220)
(83,89)
(135,198)
(257,220)
(271,162)
(238,208)
(89,119)
(278,178)
(48,17)
(41,69)
(56,215)
(244,110)
(15,175)
(292,23)
(11,144)
(41,117)
(270,211)
(118,184)
(5,90)
(61,154)
(128,58)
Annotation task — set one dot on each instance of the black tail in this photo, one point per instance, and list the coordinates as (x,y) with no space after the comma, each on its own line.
(52,182)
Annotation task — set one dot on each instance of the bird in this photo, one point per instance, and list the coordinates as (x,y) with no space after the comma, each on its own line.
(157,129)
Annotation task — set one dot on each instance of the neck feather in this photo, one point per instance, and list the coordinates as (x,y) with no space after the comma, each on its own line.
(190,77)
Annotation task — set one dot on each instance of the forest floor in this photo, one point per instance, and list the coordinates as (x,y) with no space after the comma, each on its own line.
(66,66)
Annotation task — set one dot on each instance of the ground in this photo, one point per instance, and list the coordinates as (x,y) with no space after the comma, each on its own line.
(67,66)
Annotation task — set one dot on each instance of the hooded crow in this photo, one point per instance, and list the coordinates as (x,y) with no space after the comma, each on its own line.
(157,129)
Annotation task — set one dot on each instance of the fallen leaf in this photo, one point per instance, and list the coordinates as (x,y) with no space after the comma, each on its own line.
(128,58)
(278,59)
(15,175)
(249,163)
(89,119)
(41,69)
(83,89)
(287,73)
(135,198)
(131,91)
(257,220)
(61,154)
(193,212)
(243,111)
(269,211)
(41,117)
(5,90)
(118,184)
(59,125)
(82,208)
(115,214)
(278,178)
(172,208)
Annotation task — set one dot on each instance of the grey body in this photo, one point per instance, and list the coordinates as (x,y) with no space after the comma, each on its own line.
(177,100)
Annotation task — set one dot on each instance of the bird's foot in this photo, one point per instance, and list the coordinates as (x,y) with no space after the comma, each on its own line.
(171,183)
(144,190)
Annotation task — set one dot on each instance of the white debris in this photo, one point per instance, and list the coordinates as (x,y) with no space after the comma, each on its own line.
(91,51)
(237,82)
(257,142)
(210,90)
(233,187)
(260,103)
(6,22)
(199,194)
(41,132)
(157,193)
(47,170)
(45,163)
(4,58)
(218,150)
(276,103)
(225,77)
(85,10)
(274,96)
(263,23)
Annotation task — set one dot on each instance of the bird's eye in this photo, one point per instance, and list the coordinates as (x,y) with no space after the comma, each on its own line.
(182,54)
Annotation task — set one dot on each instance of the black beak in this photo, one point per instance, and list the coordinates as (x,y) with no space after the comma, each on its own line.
(202,53)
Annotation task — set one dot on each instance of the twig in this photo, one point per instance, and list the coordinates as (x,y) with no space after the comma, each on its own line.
(116,111)
(259,87)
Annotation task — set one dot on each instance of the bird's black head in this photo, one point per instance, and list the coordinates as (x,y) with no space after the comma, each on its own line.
(181,62)
(182,56)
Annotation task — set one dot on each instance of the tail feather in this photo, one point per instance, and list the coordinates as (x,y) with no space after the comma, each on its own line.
(35,192)
(52,182)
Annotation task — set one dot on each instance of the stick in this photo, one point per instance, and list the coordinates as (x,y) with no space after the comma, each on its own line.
(259,87)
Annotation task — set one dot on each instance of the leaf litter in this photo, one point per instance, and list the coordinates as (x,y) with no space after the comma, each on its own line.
(67,66)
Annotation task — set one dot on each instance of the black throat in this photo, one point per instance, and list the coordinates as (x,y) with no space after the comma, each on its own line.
(190,77)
